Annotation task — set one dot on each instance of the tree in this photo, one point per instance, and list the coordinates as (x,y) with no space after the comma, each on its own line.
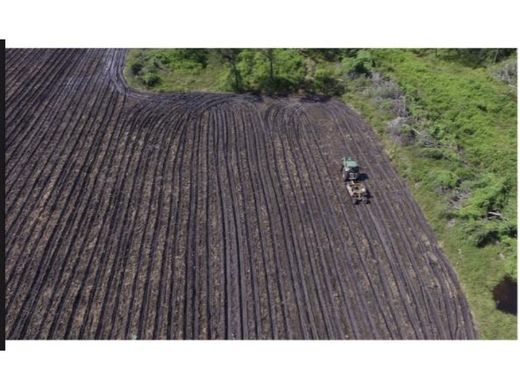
(231,56)
(360,64)
(270,55)
(479,57)
(326,83)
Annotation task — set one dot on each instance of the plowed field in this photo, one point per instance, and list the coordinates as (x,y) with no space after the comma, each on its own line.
(205,216)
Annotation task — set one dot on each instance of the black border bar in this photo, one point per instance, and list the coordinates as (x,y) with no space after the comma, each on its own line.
(2,193)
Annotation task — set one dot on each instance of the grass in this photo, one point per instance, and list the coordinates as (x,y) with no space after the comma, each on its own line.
(472,118)
(478,269)
(174,76)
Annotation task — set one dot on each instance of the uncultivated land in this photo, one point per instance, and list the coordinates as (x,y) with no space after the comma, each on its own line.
(205,216)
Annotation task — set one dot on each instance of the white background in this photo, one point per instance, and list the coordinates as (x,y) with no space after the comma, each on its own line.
(273,23)
(259,365)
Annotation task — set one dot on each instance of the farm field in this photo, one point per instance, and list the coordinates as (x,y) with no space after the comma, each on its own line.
(134,215)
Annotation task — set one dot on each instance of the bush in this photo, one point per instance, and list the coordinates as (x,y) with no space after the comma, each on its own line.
(175,59)
(290,66)
(361,63)
(191,56)
(328,55)
(434,153)
(490,193)
(288,70)
(483,232)
(136,67)
(253,68)
(441,180)
(476,57)
(151,79)
(326,83)
(230,82)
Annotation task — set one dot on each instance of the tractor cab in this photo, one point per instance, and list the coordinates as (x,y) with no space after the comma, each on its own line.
(355,186)
(350,169)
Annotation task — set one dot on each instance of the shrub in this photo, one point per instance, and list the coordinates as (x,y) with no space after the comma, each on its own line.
(288,70)
(230,82)
(175,59)
(441,180)
(361,63)
(433,153)
(482,232)
(136,67)
(151,79)
(327,83)
(192,56)
(490,193)
(290,66)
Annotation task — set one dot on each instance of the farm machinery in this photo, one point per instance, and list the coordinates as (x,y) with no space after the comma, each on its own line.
(352,178)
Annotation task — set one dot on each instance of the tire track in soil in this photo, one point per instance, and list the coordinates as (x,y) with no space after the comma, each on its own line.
(295,145)
(38,281)
(424,246)
(32,193)
(278,314)
(379,251)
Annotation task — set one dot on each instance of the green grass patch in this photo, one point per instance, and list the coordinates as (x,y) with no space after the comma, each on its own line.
(162,70)
(466,171)
(479,268)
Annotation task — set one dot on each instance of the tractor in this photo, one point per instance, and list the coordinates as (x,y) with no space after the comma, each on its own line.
(351,176)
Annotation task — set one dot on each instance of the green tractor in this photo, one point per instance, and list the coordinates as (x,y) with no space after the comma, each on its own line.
(351,176)
(350,169)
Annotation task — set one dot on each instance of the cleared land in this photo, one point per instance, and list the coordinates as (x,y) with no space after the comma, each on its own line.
(205,216)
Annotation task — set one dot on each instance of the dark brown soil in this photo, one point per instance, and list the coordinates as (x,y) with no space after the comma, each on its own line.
(205,216)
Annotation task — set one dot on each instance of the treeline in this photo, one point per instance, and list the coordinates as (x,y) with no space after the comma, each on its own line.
(284,71)
(474,57)
(266,71)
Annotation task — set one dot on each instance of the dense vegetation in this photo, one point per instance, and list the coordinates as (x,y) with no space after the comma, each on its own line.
(269,71)
(447,118)
(448,121)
